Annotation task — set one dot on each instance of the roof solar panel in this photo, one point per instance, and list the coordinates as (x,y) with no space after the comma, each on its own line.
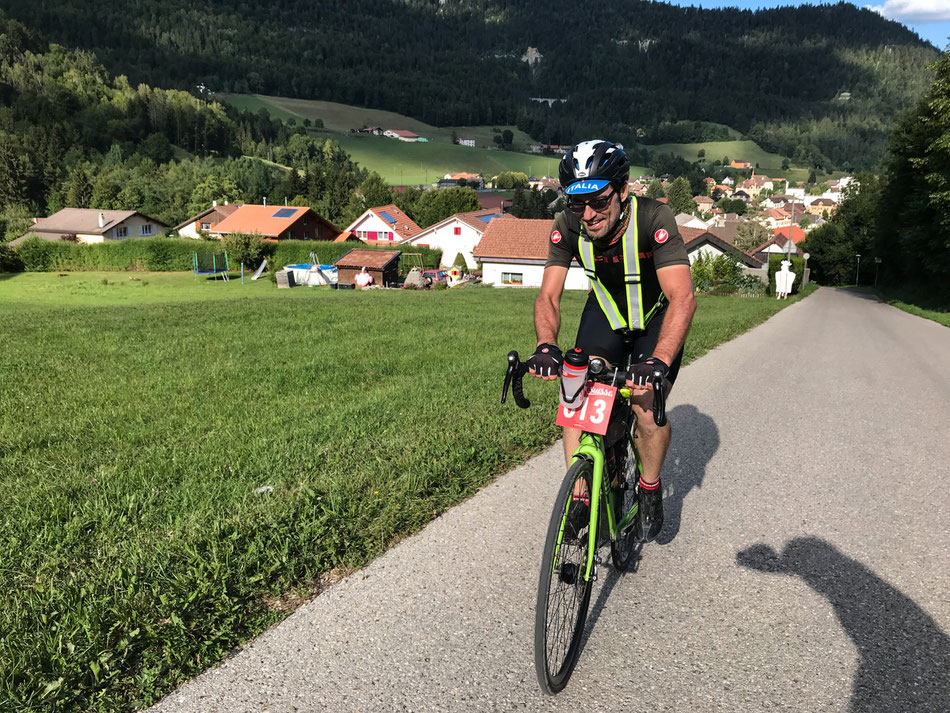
(387,217)
(285,213)
(488,218)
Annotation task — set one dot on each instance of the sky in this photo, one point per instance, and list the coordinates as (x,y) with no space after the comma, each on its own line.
(928,18)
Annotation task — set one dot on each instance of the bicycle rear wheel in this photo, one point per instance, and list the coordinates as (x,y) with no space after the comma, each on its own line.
(563,591)
(626,548)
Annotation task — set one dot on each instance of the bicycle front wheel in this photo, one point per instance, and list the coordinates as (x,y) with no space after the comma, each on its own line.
(626,548)
(563,590)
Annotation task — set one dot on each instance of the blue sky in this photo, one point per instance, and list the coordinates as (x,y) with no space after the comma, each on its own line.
(928,18)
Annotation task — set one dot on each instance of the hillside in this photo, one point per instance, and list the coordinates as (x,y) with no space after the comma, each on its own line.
(820,84)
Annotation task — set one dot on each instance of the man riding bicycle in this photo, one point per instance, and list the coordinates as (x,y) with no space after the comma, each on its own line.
(641,285)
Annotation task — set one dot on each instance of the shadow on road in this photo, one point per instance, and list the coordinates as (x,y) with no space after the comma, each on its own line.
(905,656)
(694,443)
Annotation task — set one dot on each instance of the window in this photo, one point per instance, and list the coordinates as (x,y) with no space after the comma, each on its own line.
(206,226)
(146,229)
(121,231)
(305,220)
(458,230)
(512,278)
(306,235)
(291,234)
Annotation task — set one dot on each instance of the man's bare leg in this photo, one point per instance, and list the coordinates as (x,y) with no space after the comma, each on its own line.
(652,441)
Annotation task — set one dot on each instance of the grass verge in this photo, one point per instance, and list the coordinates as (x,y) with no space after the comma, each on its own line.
(182,460)
(922,305)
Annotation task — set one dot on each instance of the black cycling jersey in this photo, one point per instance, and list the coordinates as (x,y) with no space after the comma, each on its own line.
(660,245)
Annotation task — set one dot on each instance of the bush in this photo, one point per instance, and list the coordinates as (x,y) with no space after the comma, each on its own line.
(243,248)
(153,254)
(9,260)
(798,267)
(439,286)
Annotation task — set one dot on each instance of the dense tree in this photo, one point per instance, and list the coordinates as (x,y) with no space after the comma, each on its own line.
(914,236)
(655,189)
(680,197)
(437,204)
(510,179)
(732,205)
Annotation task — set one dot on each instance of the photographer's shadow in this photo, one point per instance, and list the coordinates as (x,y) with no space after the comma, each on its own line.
(695,441)
(905,655)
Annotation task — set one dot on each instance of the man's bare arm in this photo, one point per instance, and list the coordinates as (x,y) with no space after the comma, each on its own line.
(677,284)
(547,308)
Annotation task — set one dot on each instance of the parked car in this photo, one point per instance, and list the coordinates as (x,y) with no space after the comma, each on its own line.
(431,276)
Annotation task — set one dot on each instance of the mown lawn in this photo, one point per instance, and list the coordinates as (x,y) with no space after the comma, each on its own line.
(182,461)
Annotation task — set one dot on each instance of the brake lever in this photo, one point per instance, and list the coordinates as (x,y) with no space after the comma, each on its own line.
(513,377)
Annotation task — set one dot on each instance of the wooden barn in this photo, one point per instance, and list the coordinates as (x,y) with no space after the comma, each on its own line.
(383,265)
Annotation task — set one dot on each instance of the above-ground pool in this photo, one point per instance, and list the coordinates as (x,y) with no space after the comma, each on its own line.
(306,273)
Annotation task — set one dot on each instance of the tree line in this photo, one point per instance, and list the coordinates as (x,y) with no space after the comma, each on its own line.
(820,84)
(894,230)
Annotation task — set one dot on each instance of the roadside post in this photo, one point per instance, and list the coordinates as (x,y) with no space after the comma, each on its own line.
(877,268)
(857,268)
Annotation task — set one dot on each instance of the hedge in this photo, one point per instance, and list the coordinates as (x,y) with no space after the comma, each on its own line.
(177,254)
(798,267)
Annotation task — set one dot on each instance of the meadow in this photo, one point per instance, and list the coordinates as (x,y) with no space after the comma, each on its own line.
(184,461)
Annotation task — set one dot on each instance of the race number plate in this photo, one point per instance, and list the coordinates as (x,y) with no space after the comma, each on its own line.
(594,415)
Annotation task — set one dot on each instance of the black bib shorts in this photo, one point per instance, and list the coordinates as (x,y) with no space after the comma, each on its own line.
(596,338)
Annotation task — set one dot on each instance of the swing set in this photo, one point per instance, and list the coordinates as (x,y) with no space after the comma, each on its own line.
(212,264)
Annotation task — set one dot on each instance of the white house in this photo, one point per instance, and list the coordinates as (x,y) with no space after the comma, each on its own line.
(467,142)
(204,222)
(383,225)
(513,252)
(458,234)
(89,225)
(702,242)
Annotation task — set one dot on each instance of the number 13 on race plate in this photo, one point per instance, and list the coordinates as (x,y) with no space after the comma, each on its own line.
(594,415)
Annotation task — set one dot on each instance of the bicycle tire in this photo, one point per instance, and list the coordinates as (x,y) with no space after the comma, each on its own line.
(626,548)
(563,595)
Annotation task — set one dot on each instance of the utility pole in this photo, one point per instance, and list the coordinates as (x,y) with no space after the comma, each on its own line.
(877,267)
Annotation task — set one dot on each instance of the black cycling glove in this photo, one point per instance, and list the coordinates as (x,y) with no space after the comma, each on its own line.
(642,372)
(546,360)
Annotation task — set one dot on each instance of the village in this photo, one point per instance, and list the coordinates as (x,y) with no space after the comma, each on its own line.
(762,216)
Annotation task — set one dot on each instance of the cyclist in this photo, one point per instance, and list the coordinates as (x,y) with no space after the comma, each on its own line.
(636,261)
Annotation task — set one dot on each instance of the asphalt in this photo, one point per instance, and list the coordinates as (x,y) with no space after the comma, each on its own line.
(804,564)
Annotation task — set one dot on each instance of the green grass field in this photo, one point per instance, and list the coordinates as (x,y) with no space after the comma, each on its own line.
(182,460)
(402,163)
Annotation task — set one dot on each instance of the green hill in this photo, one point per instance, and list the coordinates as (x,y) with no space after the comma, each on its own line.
(821,84)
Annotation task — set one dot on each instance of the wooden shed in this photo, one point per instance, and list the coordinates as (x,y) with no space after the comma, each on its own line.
(383,265)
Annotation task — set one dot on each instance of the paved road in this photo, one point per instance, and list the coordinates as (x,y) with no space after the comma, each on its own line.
(805,564)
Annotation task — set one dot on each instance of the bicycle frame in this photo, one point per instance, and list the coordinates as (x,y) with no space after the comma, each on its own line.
(593,447)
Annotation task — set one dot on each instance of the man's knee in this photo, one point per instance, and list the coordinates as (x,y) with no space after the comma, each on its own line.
(642,405)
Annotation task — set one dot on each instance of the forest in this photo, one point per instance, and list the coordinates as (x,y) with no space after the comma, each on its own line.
(71,134)
(819,84)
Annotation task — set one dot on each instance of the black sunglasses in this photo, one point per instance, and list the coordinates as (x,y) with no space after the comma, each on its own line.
(578,206)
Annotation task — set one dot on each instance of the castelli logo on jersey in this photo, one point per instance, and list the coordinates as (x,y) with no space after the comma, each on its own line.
(661,236)
(556,237)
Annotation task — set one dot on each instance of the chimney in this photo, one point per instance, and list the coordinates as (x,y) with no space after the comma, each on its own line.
(102,221)
(214,204)
(265,201)
(225,201)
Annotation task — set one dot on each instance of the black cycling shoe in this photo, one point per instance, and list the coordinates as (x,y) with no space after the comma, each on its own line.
(651,513)
(578,516)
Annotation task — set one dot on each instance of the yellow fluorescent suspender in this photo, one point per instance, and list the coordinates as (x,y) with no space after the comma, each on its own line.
(631,277)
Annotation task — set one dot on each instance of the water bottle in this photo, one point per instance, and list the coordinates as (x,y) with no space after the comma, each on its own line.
(574,379)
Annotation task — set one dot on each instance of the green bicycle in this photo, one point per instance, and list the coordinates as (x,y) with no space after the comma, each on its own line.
(570,559)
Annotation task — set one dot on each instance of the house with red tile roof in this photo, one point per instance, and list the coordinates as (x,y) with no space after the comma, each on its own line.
(401,135)
(458,235)
(206,220)
(704,203)
(740,164)
(472,180)
(384,225)
(277,222)
(797,233)
(513,252)
(776,218)
(489,200)
(776,245)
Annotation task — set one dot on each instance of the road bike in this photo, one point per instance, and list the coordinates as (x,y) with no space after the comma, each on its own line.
(606,454)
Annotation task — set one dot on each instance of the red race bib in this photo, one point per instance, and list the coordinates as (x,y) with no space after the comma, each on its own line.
(594,414)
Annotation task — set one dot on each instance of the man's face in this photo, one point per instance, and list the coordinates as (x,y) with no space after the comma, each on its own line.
(599,223)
